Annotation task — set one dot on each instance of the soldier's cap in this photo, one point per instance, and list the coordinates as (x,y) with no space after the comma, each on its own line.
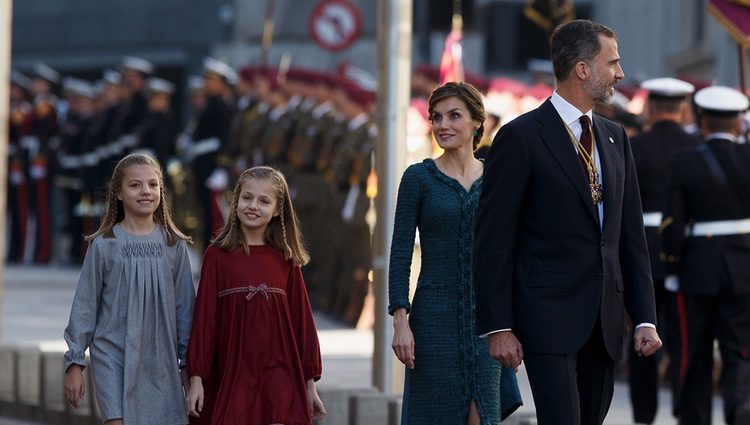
(137,64)
(667,88)
(19,79)
(323,78)
(476,80)
(430,72)
(77,87)
(217,67)
(159,86)
(195,83)
(539,91)
(721,101)
(508,85)
(247,73)
(110,76)
(43,71)
(356,93)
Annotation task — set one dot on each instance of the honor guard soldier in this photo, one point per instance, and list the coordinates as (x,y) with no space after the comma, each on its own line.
(21,123)
(110,98)
(279,124)
(652,151)
(208,141)
(309,186)
(75,137)
(135,72)
(350,168)
(157,134)
(706,246)
(41,150)
(239,146)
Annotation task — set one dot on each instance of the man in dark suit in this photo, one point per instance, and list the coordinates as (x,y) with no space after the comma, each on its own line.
(652,151)
(560,250)
(706,245)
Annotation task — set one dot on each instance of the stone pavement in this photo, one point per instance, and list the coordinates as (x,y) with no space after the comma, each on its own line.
(37,304)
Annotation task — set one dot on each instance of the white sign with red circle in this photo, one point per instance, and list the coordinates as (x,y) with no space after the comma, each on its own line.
(335,24)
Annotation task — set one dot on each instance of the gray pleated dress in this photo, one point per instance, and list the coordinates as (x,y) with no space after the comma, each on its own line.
(133,310)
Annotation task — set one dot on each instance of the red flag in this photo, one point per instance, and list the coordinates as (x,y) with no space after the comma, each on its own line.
(734,16)
(451,63)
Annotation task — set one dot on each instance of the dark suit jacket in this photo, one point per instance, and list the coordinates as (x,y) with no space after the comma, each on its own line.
(695,196)
(542,265)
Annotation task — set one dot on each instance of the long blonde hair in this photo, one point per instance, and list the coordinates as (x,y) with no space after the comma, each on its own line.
(115,212)
(282,232)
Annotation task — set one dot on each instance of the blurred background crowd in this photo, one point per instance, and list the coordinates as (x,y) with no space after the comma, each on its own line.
(211,88)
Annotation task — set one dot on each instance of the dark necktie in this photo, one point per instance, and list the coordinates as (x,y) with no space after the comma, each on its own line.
(585,141)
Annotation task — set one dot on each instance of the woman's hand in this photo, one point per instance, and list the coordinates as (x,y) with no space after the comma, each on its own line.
(74,385)
(194,398)
(403,340)
(317,411)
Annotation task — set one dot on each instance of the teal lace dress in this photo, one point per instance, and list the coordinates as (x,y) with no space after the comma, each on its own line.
(452,365)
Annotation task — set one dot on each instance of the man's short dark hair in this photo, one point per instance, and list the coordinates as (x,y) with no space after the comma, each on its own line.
(720,123)
(573,42)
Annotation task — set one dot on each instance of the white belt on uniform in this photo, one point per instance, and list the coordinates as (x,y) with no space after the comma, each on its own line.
(652,219)
(721,228)
(204,146)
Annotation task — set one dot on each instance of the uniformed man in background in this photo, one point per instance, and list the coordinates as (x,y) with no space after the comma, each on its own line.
(135,71)
(158,131)
(209,139)
(41,150)
(652,151)
(21,116)
(706,246)
(350,167)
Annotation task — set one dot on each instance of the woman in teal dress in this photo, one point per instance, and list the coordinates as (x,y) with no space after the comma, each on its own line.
(450,376)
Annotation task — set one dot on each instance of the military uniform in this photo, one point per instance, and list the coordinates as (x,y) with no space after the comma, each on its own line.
(652,152)
(276,135)
(43,150)
(312,196)
(21,119)
(76,133)
(707,246)
(158,132)
(350,167)
(209,139)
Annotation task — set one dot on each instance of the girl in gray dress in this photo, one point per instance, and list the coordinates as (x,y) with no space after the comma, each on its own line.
(134,304)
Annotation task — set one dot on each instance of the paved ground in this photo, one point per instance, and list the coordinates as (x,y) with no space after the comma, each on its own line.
(37,304)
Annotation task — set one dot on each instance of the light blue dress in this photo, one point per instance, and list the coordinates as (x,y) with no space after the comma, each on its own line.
(133,309)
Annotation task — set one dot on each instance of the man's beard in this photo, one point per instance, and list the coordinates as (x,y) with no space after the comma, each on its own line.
(599,90)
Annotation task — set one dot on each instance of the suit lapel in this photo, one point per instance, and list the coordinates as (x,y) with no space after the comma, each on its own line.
(608,172)
(558,141)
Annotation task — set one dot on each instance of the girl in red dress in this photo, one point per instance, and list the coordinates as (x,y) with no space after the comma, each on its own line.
(253,356)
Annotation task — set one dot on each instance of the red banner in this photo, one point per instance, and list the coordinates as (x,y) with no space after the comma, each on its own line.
(734,16)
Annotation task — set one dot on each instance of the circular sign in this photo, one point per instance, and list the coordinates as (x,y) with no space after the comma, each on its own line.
(335,24)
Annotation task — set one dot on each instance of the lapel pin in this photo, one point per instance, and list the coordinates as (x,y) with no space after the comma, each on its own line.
(610,140)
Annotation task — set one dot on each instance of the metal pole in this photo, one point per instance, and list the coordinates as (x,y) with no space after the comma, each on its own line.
(6,14)
(394,63)
(743,67)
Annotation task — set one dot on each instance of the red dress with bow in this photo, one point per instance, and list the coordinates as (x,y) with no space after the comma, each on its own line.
(253,341)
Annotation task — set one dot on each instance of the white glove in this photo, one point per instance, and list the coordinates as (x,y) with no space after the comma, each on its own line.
(218,180)
(672,283)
